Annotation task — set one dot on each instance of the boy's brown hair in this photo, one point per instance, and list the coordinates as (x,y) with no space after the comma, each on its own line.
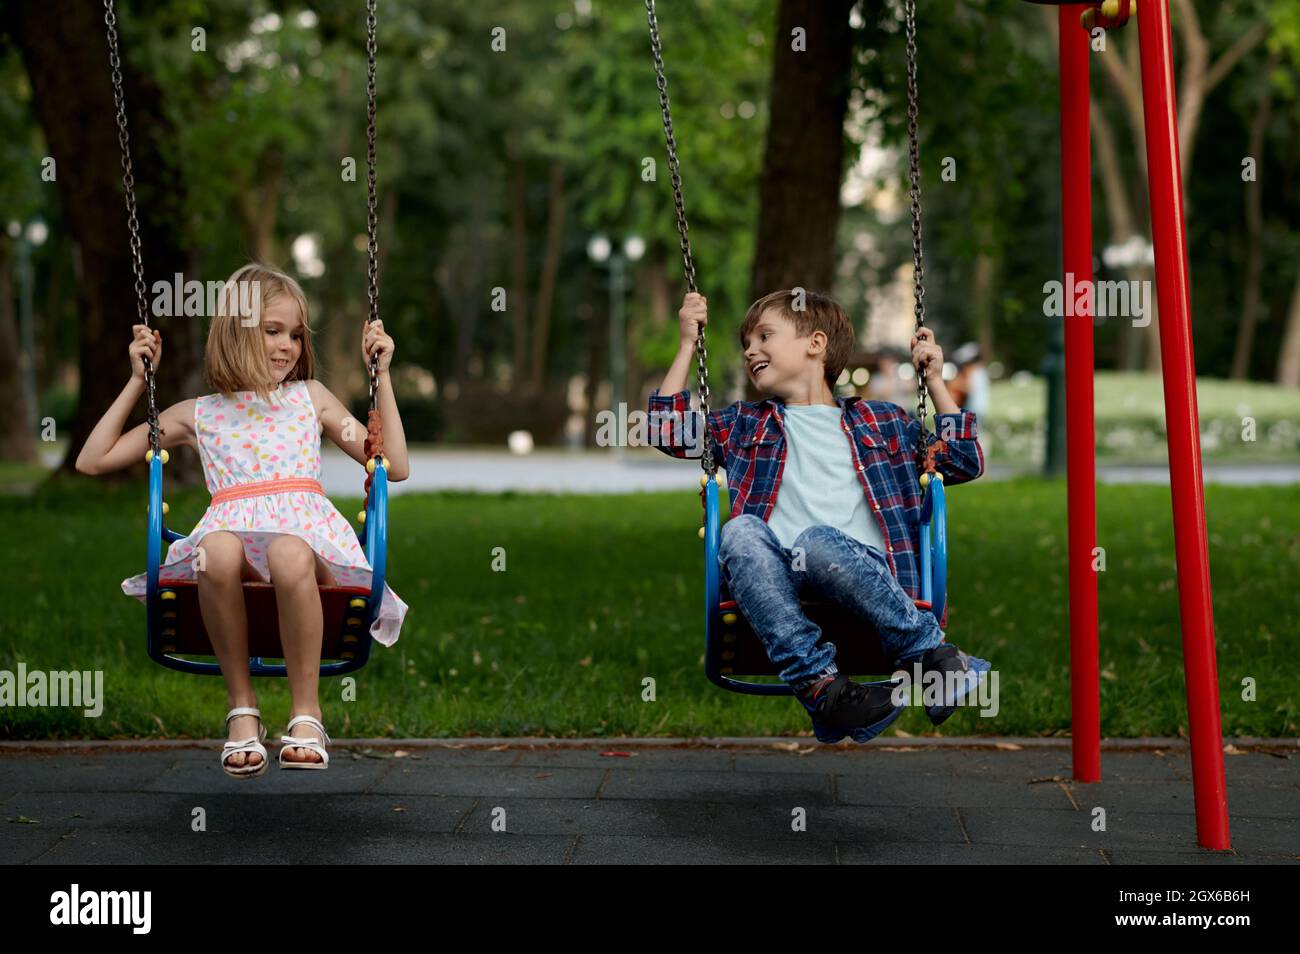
(819,313)
(235,357)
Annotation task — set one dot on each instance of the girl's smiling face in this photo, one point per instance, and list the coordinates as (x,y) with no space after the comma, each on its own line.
(282,334)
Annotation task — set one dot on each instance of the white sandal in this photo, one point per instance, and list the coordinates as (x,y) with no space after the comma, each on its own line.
(250,746)
(288,741)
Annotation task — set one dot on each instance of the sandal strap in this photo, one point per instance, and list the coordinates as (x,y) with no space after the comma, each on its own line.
(311,744)
(249,746)
(247,711)
(305,720)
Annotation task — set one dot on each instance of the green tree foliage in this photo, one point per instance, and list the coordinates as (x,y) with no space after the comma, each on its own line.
(268,111)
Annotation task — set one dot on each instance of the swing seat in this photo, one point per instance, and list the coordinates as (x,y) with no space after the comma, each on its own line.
(739,651)
(181,630)
(857,646)
(732,649)
(175,622)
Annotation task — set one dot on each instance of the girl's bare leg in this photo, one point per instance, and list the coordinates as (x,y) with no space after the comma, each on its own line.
(296,572)
(221,600)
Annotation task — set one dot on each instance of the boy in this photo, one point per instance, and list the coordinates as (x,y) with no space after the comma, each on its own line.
(825,498)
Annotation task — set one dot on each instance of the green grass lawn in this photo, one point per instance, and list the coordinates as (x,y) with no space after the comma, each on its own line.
(600,592)
(1130,419)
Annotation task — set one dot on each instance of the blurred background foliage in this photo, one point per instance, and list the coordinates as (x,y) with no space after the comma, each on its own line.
(498,166)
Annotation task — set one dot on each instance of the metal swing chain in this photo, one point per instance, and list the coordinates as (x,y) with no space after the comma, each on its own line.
(372,222)
(918,265)
(683,233)
(374,441)
(133,223)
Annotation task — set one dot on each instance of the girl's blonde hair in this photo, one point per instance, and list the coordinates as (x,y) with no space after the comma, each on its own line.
(235,357)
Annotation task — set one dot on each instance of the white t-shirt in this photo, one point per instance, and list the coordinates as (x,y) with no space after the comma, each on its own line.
(820,485)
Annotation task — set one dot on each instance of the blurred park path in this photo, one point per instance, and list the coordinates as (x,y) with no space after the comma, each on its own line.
(607,472)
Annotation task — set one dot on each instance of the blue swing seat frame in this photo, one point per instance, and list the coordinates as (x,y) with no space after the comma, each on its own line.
(730,646)
(175,626)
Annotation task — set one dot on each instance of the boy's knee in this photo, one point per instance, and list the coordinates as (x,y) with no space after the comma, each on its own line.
(818,544)
(738,530)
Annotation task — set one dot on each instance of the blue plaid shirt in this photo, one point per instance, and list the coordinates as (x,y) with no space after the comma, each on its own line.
(749,443)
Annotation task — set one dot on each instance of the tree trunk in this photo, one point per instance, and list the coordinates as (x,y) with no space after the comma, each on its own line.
(349,330)
(259,204)
(385,228)
(341,304)
(76,112)
(988,264)
(799,187)
(50,363)
(1250,304)
(462,289)
(1121,216)
(1153,329)
(337,341)
(1198,78)
(517,304)
(662,306)
(17,442)
(597,338)
(550,273)
(341,330)
(1288,362)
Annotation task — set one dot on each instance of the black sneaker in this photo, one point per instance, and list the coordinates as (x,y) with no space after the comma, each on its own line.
(946,659)
(841,707)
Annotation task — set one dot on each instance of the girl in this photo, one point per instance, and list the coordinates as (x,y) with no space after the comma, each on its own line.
(263,425)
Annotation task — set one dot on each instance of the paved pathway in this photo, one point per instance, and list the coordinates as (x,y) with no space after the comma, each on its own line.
(605,472)
(640,801)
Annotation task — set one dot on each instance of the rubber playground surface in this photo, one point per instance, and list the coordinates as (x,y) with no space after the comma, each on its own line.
(591,801)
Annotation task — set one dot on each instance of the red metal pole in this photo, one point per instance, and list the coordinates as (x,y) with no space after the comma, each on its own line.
(1080,469)
(1194,606)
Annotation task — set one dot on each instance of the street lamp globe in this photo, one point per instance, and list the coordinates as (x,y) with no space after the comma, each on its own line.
(598,248)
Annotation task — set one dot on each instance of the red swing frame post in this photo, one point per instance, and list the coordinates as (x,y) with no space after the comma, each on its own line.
(1183,422)
(1076,260)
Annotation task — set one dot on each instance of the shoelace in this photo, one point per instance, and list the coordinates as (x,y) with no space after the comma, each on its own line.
(853,693)
(943,654)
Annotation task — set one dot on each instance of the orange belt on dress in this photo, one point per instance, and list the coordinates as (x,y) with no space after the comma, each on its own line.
(259,488)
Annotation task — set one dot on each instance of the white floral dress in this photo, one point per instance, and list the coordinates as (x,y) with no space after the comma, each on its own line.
(244,440)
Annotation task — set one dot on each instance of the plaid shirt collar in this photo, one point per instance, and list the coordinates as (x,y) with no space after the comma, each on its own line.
(855,409)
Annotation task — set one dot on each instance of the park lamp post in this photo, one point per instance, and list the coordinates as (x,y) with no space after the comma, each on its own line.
(25,239)
(601,250)
(1053,369)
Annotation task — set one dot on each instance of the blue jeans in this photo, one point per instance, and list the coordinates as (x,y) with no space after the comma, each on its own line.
(766,581)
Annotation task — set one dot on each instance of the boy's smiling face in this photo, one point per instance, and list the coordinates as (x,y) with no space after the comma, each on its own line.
(779,362)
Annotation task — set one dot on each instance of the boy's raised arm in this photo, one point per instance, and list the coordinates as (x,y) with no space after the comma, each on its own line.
(680,370)
(963,459)
(674,429)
